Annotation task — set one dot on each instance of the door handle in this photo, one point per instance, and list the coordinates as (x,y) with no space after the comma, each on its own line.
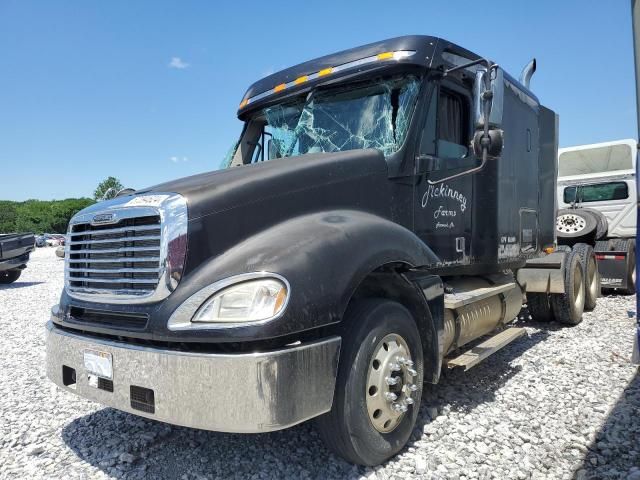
(425,163)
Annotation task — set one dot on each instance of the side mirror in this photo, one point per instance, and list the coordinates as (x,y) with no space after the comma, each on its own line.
(494,144)
(497,95)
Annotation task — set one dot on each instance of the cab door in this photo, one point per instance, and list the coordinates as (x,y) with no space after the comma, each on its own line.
(442,210)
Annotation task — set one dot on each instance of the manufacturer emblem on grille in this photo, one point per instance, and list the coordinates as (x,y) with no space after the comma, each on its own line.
(103,218)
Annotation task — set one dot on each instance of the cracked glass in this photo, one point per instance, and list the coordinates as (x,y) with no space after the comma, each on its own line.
(376,115)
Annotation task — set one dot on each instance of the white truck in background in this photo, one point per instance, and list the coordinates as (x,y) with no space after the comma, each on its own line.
(597,205)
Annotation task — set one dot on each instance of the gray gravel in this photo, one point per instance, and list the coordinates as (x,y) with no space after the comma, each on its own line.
(562,403)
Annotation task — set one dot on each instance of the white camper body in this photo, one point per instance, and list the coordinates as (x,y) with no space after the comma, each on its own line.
(601,176)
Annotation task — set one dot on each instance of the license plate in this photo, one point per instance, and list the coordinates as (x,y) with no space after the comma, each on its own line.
(98,363)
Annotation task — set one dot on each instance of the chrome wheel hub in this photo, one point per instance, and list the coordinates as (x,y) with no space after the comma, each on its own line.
(570,223)
(390,383)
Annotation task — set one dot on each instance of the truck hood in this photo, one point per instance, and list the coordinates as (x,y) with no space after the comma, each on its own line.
(229,206)
(232,188)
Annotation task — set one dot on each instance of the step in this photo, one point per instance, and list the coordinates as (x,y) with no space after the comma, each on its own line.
(460,299)
(472,357)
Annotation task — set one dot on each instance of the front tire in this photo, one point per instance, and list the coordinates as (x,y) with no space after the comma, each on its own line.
(372,417)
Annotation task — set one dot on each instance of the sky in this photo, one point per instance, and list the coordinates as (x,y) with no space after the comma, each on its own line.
(148,91)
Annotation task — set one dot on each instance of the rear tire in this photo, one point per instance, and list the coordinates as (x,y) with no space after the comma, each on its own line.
(540,307)
(349,429)
(591,274)
(568,307)
(9,276)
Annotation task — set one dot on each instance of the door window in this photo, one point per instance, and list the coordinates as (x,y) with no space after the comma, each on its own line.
(446,130)
(453,118)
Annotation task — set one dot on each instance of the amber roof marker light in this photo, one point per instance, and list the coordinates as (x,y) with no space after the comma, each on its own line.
(397,55)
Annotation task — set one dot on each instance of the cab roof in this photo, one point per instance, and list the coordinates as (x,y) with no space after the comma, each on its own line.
(419,50)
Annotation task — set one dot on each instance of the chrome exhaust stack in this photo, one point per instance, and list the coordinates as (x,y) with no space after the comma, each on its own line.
(527,72)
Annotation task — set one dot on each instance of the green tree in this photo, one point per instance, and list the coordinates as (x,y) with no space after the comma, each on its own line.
(8,216)
(39,216)
(107,189)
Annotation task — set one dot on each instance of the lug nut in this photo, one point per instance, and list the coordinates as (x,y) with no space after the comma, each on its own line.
(412,372)
(394,367)
(399,407)
(409,401)
(407,363)
(392,397)
(413,387)
(392,380)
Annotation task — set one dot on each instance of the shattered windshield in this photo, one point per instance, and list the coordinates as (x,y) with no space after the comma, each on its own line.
(376,116)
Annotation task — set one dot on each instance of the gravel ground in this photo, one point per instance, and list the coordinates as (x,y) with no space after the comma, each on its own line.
(562,403)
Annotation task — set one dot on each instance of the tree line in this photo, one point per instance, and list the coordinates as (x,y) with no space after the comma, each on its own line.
(39,216)
(50,216)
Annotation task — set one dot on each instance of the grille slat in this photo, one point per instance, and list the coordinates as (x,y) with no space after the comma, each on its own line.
(114,230)
(124,257)
(114,259)
(123,280)
(115,250)
(115,240)
(113,270)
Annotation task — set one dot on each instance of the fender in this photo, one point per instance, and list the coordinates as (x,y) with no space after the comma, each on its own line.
(324,256)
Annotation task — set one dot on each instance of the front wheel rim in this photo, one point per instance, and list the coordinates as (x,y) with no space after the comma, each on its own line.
(390,383)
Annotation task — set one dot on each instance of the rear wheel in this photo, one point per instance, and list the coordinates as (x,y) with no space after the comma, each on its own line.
(9,276)
(379,384)
(568,307)
(591,275)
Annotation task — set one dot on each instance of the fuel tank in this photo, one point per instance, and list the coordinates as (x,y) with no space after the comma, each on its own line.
(475,306)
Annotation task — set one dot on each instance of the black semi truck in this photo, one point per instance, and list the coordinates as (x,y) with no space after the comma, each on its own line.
(384,207)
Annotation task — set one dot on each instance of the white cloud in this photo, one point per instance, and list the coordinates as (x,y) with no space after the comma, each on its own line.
(177,62)
(175,159)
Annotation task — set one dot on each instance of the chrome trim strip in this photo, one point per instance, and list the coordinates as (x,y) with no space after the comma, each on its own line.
(92,293)
(138,228)
(172,209)
(271,390)
(181,317)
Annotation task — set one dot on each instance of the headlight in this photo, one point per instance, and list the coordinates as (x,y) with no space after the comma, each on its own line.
(249,301)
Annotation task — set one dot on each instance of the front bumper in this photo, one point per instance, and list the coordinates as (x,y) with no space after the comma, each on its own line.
(248,393)
(16,262)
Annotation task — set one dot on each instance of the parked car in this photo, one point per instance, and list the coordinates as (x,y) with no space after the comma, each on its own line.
(15,249)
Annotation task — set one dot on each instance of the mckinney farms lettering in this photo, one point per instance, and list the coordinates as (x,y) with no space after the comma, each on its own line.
(444,191)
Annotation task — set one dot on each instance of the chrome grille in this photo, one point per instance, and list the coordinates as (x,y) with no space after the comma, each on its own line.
(131,249)
(123,257)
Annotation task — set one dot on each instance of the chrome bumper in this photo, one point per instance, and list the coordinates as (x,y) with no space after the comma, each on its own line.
(248,393)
